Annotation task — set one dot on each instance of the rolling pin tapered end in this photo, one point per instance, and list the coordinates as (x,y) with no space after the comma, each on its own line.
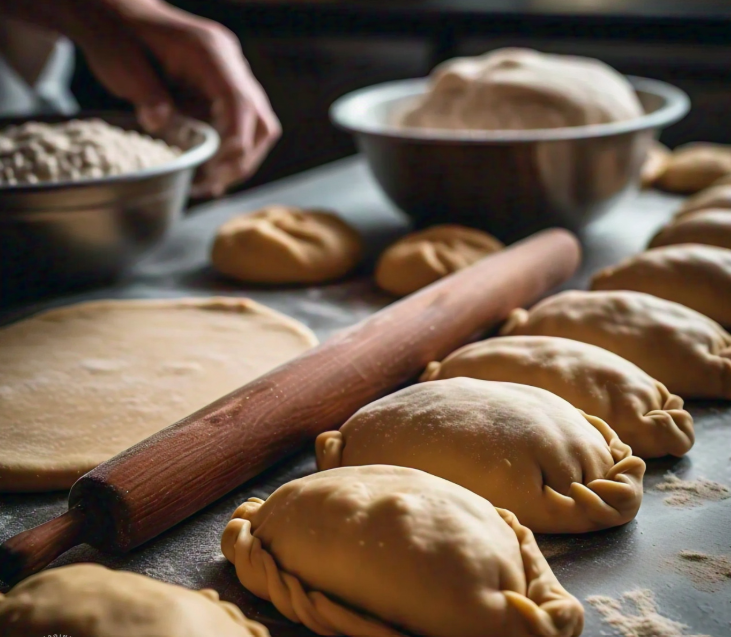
(34,549)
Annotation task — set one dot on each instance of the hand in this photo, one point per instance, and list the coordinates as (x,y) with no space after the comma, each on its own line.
(201,59)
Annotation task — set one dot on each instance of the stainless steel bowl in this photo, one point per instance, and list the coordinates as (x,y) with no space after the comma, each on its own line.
(68,234)
(510,183)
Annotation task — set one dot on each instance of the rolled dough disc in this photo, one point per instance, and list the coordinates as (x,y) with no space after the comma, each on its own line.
(80,384)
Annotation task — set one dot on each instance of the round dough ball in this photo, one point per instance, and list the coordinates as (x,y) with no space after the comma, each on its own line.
(658,156)
(517,89)
(373,551)
(88,600)
(643,413)
(695,166)
(281,244)
(709,227)
(421,258)
(686,351)
(717,197)
(694,275)
(520,447)
(82,383)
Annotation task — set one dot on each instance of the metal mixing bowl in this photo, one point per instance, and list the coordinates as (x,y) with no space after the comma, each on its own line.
(510,183)
(68,234)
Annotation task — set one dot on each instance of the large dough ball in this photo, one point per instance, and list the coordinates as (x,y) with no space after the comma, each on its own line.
(709,227)
(716,197)
(694,275)
(522,448)
(373,551)
(643,413)
(281,244)
(421,258)
(88,600)
(694,167)
(514,89)
(685,350)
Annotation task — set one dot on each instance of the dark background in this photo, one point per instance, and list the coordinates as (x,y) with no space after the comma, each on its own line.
(307,53)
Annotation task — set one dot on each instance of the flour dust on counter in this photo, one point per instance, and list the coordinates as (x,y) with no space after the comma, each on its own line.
(691,493)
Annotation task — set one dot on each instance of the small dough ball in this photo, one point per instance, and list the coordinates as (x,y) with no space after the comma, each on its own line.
(717,196)
(518,89)
(643,413)
(88,600)
(686,351)
(281,244)
(694,167)
(421,258)
(658,156)
(710,227)
(520,447)
(697,276)
(374,551)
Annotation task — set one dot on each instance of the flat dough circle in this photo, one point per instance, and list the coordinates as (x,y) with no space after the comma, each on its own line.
(709,227)
(643,413)
(519,89)
(374,551)
(697,276)
(282,244)
(88,600)
(82,383)
(421,258)
(695,166)
(520,447)
(686,351)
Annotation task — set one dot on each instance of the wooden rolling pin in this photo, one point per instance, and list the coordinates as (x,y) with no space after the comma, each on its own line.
(174,473)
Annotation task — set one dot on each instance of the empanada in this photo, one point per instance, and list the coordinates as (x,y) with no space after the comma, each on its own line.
(88,600)
(709,227)
(694,275)
(683,349)
(283,244)
(642,412)
(695,166)
(374,551)
(717,197)
(658,156)
(521,447)
(421,258)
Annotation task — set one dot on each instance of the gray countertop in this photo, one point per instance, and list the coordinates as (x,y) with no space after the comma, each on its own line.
(642,554)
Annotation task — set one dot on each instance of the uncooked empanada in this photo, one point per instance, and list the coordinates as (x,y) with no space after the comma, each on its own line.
(694,275)
(716,197)
(709,227)
(642,412)
(658,156)
(423,257)
(695,166)
(282,244)
(683,349)
(521,447)
(88,600)
(374,551)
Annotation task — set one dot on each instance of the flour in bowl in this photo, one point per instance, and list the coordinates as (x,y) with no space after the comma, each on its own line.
(35,152)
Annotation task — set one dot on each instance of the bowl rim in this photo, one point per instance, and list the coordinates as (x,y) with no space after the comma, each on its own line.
(676,105)
(191,158)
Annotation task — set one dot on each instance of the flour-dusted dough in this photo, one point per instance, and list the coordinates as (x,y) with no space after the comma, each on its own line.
(282,244)
(708,227)
(514,89)
(694,275)
(373,551)
(716,197)
(642,412)
(658,156)
(82,383)
(695,166)
(421,258)
(683,349)
(522,448)
(88,600)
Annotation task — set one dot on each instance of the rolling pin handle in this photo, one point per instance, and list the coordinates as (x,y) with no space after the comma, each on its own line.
(34,549)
